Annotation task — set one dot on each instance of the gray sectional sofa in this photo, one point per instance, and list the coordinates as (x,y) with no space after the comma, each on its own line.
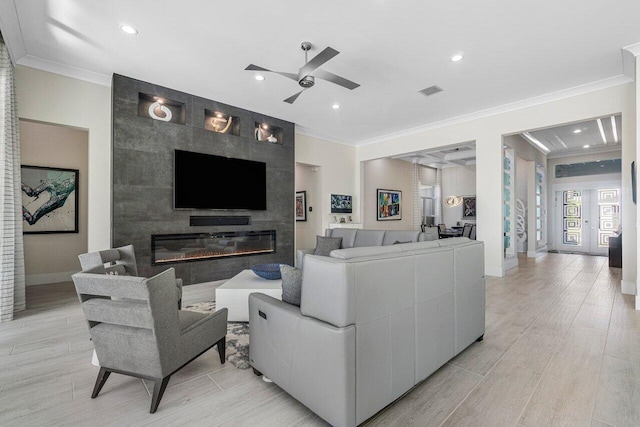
(356,238)
(373,322)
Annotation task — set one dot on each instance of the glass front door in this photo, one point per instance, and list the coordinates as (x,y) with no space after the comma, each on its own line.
(586,219)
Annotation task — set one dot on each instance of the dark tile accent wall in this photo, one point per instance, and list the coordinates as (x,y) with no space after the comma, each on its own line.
(143,178)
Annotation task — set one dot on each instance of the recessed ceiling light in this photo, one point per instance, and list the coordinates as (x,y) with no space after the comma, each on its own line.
(577,131)
(534,141)
(259,77)
(457,57)
(129,29)
(586,146)
(335,106)
(604,138)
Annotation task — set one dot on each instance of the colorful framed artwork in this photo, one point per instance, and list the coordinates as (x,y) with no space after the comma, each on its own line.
(301,205)
(389,205)
(49,200)
(469,207)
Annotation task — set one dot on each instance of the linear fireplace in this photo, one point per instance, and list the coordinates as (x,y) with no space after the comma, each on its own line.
(172,248)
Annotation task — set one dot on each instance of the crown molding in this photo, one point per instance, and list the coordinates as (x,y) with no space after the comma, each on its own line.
(514,106)
(65,70)
(313,134)
(629,55)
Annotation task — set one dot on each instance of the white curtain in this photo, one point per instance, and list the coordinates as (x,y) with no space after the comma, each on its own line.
(437,202)
(417,199)
(12,291)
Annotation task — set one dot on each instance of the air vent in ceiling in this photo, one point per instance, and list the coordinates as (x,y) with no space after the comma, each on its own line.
(431,90)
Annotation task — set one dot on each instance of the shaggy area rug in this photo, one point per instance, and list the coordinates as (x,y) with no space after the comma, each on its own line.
(237,352)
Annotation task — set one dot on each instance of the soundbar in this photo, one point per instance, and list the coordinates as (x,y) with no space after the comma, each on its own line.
(219,220)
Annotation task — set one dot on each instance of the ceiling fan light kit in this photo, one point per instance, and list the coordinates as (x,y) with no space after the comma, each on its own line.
(304,77)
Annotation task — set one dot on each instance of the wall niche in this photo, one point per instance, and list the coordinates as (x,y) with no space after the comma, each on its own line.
(143,156)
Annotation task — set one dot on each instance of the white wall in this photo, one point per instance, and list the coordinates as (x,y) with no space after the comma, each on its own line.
(457,181)
(337,175)
(56,99)
(488,133)
(52,258)
(387,174)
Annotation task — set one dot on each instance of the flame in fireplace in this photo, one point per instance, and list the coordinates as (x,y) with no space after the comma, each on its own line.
(168,248)
(205,254)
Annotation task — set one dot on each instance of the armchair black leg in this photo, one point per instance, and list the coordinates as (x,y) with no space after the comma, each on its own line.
(102,378)
(222,348)
(481,338)
(158,391)
(258,373)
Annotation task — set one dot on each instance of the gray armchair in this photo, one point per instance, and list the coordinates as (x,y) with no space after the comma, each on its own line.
(119,261)
(137,329)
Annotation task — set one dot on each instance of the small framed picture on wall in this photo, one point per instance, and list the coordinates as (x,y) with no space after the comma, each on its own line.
(301,205)
(389,205)
(469,207)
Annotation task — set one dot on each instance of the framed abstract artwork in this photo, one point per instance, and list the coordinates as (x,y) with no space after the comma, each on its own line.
(49,200)
(389,205)
(341,203)
(469,207)
(301,205)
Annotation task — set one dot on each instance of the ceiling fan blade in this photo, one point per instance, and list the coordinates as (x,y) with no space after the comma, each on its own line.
(317,61)
(292,98)
(341,81)
(252,67)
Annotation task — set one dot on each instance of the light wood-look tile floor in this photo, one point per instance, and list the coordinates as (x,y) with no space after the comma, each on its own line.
(562,347)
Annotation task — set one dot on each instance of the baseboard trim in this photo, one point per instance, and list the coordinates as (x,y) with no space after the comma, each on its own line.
(509,264)
(45,279)
(539,252)
(494,271)
(628,288)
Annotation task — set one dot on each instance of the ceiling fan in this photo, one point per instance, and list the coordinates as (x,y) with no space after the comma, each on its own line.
(304,77)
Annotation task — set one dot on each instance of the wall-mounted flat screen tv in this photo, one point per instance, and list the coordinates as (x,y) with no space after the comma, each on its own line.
(341,203)
(205,181)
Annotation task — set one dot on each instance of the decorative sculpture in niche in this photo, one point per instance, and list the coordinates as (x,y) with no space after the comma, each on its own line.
(216,122)
(159,111)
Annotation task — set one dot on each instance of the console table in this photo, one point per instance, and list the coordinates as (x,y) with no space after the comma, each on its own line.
(615,251)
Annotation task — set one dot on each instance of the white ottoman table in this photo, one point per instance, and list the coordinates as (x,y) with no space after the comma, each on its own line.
(234,293)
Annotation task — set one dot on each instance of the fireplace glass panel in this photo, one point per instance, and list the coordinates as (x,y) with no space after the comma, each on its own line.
(172,248)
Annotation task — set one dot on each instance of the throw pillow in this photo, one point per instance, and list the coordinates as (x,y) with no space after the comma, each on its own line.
(324,245)
(291,284)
